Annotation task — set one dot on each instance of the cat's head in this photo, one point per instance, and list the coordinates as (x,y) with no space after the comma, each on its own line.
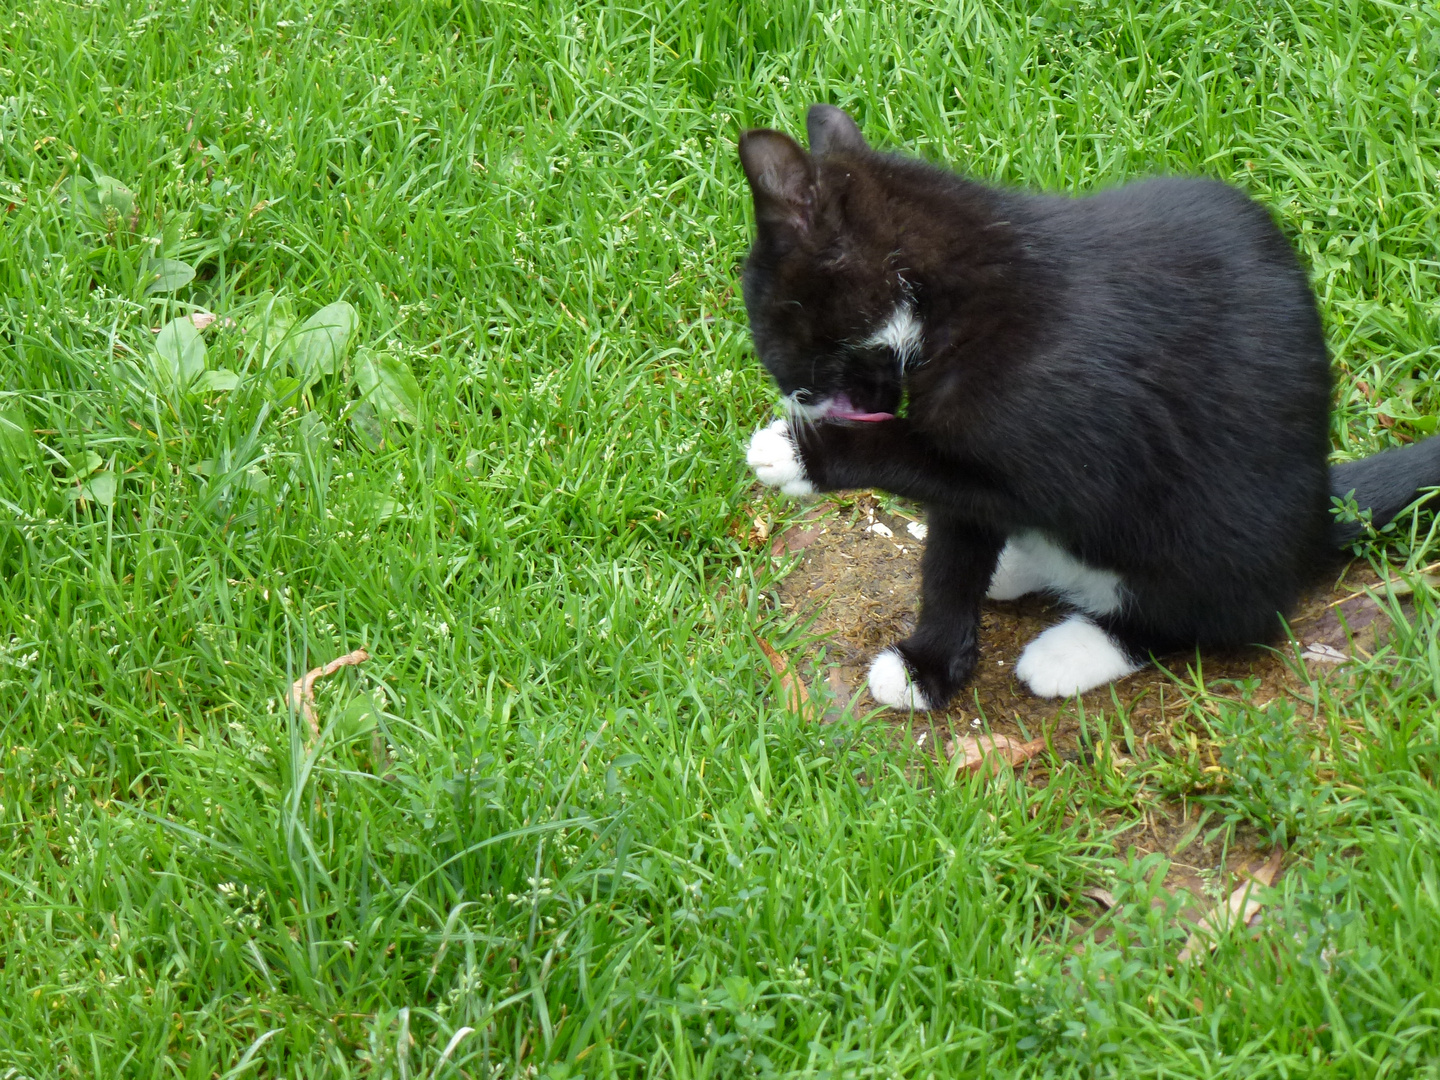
(831,314)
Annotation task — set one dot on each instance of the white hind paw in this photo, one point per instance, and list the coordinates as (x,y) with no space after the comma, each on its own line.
(1072,657)
(892,685)
(776,460)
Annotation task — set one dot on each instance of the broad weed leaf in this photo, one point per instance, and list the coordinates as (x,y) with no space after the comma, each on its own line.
(358,719)
(285,390)
(219,380)
(111,195)
(166,275)
(370,429)
(89,464)
(17,441)
(97,487)
(106,199)
(268,323)
(316,346)
(313,433)
(255,479)
(180,351)
(387,508)
(176,223)
(388,385)
(101,488)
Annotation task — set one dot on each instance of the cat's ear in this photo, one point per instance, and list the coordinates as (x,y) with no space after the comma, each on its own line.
(782,179)
(832,131)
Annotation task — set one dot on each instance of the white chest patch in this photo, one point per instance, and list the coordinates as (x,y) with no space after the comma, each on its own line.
(1032,563)
(901,333)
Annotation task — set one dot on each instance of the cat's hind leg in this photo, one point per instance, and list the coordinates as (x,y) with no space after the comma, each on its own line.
(1032,562)
(1018,572)
(1075,656)
(926,669)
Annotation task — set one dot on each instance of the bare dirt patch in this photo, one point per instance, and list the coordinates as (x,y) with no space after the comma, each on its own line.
(855,584)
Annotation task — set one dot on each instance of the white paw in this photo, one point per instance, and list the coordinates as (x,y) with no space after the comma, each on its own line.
(890,683)
(776,460)
(1072,657)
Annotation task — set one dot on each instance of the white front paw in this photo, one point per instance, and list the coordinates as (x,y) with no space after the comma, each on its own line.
(776,460)
(892,684)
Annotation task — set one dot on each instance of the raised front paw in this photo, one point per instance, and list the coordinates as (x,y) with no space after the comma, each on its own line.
(776,460)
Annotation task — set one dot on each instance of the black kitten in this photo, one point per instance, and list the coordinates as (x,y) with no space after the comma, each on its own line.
(1122,400)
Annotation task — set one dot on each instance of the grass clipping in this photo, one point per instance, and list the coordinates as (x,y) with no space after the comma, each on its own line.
(302,691)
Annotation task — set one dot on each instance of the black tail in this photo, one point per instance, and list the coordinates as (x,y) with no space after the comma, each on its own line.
(1384,483)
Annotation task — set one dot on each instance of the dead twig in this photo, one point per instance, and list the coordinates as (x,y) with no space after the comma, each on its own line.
(302,691)
(1396,586)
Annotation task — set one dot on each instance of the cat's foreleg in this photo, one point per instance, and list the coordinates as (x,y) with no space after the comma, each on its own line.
(889,455)
(926,669)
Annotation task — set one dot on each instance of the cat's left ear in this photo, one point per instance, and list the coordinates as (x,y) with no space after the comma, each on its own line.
(782,179)
(832,131)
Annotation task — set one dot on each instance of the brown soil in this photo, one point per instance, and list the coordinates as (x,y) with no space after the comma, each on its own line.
(857,590)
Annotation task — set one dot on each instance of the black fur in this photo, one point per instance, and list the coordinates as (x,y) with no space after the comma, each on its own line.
(1139,374)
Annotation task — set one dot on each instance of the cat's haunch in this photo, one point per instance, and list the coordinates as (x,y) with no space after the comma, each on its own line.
(1121,400)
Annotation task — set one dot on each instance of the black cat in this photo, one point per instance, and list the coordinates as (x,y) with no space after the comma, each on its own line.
(1122,400)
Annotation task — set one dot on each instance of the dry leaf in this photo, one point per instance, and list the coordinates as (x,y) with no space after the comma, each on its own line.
(302,691)
(796,696)
(1104,897)
(794,539)
(1395,586)
(1319,653)
(987,754)
(1240,908)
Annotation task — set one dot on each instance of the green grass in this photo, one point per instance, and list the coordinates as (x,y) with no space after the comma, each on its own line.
(560,823)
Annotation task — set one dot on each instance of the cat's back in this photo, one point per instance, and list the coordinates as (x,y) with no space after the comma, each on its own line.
(1170,225)
(1177,339)
(1182,273)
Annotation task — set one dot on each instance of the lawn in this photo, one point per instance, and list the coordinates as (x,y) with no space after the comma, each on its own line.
(474,400)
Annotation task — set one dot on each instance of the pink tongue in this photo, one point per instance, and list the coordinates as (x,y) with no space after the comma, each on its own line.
(841,409)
